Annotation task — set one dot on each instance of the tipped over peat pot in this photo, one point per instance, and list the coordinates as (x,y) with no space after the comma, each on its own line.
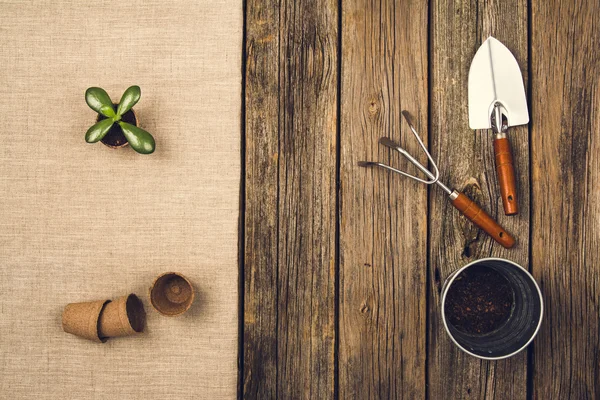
(81,319)
(124,316)
(115,138)
(103,319)
(492,308)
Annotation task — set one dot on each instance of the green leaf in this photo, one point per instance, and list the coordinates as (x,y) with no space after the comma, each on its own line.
(108,112)
(129,99)
(140,140)
(99,101)
(98,130)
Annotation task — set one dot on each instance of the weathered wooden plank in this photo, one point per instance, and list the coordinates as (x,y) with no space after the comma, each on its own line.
(383,233)
(566,196)
(291,129)
(261,200)
(466,161)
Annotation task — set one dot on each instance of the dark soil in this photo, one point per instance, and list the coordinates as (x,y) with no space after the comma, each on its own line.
(479,301)
(115,137)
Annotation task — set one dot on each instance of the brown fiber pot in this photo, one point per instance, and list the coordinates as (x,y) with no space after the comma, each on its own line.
(124,316)
(171,294)
(81,319)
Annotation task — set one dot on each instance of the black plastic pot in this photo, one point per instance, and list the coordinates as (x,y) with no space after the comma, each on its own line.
(115,138)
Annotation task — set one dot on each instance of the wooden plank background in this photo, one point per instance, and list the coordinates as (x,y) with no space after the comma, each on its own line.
(466,159)
(383,230)
(566,196)
(290,207)
(343,266)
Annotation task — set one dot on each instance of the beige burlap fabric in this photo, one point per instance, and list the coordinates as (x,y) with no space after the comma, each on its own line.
(82,222)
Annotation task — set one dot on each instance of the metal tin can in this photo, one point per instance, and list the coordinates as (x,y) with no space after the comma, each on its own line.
(518,330)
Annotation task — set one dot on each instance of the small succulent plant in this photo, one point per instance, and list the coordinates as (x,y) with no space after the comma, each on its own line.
(99,101)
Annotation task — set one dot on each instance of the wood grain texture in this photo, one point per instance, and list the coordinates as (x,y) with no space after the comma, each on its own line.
(387,221)
(261,200)
(291,139)
(383,232)
(466,161)
(566,196)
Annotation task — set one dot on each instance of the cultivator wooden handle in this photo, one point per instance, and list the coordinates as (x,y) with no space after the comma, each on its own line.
(480,218)
(506,175)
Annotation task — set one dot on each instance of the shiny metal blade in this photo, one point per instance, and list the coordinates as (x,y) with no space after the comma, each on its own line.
(495,78)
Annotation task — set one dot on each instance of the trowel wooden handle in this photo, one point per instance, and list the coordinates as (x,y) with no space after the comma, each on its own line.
(480,218)
(506,176)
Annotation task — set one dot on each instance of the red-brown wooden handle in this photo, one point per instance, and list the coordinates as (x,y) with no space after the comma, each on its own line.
(506,176)
(480,218)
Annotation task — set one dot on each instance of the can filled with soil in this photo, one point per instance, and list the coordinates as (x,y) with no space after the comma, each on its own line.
(491,308)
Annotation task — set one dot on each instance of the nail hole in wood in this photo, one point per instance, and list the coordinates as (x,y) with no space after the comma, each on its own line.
(467,251)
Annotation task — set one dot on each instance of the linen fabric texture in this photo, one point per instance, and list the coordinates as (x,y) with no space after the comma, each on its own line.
(82,222)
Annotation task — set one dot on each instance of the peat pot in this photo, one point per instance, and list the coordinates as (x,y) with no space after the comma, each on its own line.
(171,294)
(491,308)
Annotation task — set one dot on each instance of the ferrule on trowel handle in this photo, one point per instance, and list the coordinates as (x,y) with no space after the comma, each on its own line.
(460,201)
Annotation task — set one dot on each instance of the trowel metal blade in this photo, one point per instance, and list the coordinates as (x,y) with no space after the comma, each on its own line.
(495,77)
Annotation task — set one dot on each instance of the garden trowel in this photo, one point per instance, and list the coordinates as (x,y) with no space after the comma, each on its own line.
(497,100)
